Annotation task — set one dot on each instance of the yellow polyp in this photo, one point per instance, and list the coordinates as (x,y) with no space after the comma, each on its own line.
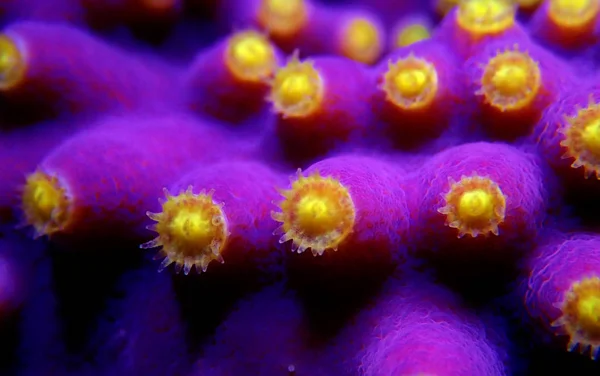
(410,83)
(475,206)
(581,139)
(192,230)
(412,34)
(361,41)
(283,17)
(511,81)
(317,214)
(297,89)
(12,63)
(193,227)
(314,214)
(486,16)
(250,56)
(573,14)
(45,204)
(591,137)
(580,318)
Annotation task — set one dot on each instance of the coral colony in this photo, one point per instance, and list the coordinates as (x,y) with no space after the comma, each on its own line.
(299,187)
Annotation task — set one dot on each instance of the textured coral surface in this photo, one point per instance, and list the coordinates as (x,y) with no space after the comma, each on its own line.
(299,187)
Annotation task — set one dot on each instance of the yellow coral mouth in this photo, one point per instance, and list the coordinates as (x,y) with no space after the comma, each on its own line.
(250,56)
(282,17)
(573,14)
(486,16)
(410,83)
(12,63)
(297,89)
(317,214)
(192,230)
(582,139)
(412,34)
(474,205)
(580,318)
(45,203)
(361,41)
(511,80)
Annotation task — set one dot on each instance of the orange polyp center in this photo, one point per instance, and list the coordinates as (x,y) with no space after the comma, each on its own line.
(317,213)
(486,16)
(580,318)
(582,139)
(192,230)
(573,14)
(412,34)
(474,205)
(250,56)
(282,17)
(511,81)
(45,204)
(410,83)
(361,41)
(297,89)
(12,63)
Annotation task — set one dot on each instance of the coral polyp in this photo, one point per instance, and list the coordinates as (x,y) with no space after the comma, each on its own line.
(361,40)
(511,80)
(250,56)
(12,63)
(410,83)
(573,14)
(317,214)
(45,203)
(192,230)
(297,89)
(283,17)
(486,16)
(580,318)
(582,139)
(474,206)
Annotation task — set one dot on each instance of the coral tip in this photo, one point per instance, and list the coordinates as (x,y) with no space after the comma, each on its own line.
(486,16)
(317,213)
(361,41)
(580,318)
(12,63)
(474,205)
(297,89)
(511,80)
(192,230)
(410,83)
(582,139)
(282,17)
(45,203)
(573,13)
(250,56)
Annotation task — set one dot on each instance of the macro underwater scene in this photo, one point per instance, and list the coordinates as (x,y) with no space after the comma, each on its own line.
(299,187)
